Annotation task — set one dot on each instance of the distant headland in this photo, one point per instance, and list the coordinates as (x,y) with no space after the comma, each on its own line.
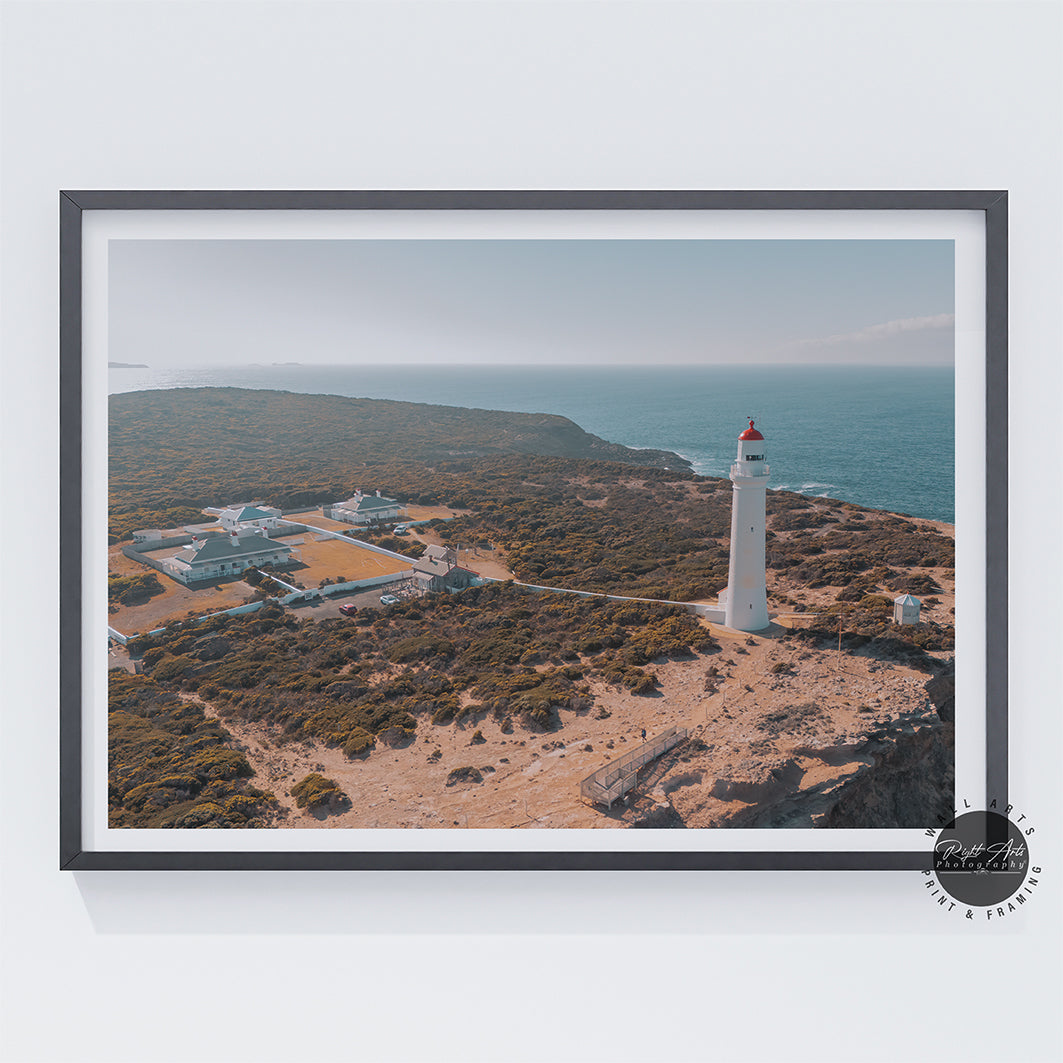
(127,365)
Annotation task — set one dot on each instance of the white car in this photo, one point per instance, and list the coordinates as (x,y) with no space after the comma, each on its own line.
(388,599)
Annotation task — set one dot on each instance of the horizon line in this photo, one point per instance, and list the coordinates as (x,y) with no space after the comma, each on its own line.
(542,365)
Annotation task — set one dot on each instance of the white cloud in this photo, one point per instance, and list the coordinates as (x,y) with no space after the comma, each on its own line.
(884,331)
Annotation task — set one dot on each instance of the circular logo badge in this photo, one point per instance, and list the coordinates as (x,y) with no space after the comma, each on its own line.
(981,858)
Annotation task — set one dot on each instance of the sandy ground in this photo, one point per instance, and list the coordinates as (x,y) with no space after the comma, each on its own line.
(531,779)
(316,520)
(485,563)
(175,601)
(336,560)
(433,512)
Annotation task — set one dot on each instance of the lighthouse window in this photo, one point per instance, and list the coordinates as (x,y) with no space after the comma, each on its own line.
(754,457)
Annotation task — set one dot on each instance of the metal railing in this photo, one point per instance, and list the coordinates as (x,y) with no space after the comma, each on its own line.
(611,781)
(736,470)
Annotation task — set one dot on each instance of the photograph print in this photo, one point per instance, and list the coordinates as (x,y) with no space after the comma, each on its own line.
(530,533)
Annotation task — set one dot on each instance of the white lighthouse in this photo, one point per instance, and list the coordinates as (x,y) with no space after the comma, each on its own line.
(746,607)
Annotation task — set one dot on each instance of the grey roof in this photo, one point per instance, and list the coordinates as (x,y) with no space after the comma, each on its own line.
(223,548)
(367,504)
(441,553)
(246,513)
(905,599)
(432,565)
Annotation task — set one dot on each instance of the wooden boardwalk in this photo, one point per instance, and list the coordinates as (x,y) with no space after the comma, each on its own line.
(614,779)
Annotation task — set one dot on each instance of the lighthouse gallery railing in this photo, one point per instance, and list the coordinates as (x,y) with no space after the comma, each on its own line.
(763,470)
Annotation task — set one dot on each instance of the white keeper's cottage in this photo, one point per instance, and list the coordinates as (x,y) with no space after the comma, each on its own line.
(365,509)
(247,518)
(905,609)
(226,555)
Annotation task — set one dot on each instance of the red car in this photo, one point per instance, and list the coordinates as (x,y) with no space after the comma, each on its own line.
(348,610)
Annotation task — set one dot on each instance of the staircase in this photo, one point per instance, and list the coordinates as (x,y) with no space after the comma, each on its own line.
(614,779)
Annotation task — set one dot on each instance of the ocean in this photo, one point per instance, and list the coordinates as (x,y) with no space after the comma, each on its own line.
(879,436)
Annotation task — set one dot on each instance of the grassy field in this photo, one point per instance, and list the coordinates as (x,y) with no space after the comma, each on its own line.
(340,561)
(314,519)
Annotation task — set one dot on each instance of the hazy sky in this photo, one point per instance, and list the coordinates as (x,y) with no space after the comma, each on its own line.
(231,302)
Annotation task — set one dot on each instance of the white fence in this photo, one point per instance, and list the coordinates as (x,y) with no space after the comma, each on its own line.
(350,585)
(710,612)
(326,533)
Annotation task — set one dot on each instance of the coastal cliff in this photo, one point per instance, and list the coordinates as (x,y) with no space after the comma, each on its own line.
(819,766)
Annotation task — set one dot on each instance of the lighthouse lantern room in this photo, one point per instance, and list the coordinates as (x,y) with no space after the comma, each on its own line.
(746,605)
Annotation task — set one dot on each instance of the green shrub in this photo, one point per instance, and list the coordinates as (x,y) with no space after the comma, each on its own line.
(359,741)
(314,791)
(876,603)
(419,648)
(130,590)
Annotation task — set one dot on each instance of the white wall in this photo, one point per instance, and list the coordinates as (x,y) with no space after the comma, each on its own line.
(266,967)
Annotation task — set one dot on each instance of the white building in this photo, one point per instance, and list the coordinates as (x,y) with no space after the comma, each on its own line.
(905,609)
(246,518)
(148,535)
(226,555)
(365,509)
(745,601)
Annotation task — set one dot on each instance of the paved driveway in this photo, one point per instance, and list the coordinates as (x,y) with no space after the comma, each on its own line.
(324,609)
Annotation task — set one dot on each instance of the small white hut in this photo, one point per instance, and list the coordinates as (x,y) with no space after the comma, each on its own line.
(905,609)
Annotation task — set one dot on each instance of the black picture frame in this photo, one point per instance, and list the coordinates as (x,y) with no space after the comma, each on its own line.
(74,204)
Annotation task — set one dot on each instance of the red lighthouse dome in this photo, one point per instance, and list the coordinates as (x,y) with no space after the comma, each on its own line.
(750,433)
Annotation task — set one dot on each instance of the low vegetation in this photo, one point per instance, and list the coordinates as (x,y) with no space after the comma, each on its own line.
(170,766)
(872,626)
(396,544)
(133,590)
(126,520)
(492,650)
(316,793)
(164,447)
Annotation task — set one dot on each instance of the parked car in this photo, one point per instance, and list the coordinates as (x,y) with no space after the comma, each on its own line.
(348,610)
(401,529)
(388,599)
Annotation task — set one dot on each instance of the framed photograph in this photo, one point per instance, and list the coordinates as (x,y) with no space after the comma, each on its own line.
(530,530)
